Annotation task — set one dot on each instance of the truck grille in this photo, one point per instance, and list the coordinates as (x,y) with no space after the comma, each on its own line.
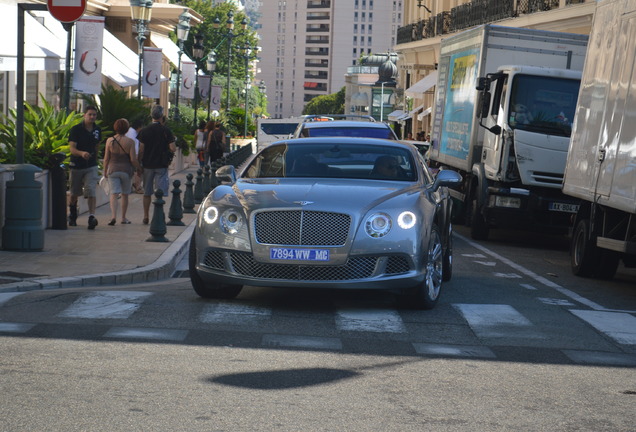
(299,227)
(547,178)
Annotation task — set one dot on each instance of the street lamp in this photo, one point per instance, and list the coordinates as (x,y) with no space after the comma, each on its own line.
(197,53)
(262,89)
(183,29)
(246,53)
(229,24)
(211,65)
(140,11)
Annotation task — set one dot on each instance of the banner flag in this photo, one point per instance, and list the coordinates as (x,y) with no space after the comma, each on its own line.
(215,99)
(187,80)
(151,74)
(204,87)
(89,39)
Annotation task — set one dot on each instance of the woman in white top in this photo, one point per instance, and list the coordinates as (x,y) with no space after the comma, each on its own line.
(200,136)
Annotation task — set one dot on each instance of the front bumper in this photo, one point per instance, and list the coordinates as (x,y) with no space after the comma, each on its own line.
(386,272)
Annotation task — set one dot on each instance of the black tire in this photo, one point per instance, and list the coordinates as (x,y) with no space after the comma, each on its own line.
(447,263)
(426,294)
(479,229)
(584,254)
(206,289)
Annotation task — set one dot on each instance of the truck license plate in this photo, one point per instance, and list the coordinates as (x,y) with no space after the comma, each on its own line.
(299,254)
(563,207)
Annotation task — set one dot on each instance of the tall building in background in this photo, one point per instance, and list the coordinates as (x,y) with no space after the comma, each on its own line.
(307,46)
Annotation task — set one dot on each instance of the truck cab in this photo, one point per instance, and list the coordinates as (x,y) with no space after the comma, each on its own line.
(528,114)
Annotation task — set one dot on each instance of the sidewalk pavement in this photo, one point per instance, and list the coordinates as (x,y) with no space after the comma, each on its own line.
(107,255)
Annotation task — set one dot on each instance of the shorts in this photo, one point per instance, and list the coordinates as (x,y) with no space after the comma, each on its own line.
(155,178)
(120,183)
(84,181)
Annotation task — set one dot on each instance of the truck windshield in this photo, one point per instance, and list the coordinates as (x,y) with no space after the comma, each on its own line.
(543,104)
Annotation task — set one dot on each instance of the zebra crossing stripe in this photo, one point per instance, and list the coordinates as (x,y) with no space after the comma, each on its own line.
(497,320)
(5,297)
(454,350)
(147,333)
(106,304)
(366,320)
(8,327)
(294,341)
(233,313)
(619,326)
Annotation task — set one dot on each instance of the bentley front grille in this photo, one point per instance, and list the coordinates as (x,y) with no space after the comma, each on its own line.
(301,228)
(356,268)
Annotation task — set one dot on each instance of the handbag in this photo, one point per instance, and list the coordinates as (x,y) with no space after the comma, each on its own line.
(105,185)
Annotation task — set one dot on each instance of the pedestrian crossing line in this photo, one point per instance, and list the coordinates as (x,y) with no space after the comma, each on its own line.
(5,297)
(234,313)
(10,327)
(147,333)
(601,358)
(296,341)
(497,320)
(106,304)
(370,320)
(454,350)
(618,325)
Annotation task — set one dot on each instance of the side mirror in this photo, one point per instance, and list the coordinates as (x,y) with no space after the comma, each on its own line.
(483,104)
(226,174)
(446,178)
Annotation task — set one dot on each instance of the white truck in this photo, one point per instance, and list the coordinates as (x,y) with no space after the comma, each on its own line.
(601,163)
(270,130)
(504,102)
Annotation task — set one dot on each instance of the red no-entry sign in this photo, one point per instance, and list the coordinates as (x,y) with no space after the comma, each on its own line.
(66,11)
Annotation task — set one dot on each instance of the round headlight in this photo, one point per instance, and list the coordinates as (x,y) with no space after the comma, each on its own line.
(378,225)
(231,221)
(406,220)
(210,215)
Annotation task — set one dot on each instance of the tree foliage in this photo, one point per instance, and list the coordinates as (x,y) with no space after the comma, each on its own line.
(326,104)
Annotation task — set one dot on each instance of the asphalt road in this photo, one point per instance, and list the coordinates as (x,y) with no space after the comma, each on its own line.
(516,343)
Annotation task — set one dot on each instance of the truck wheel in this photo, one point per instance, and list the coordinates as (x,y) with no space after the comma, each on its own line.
(478,226)
(608,264)
(584,254)
(208,290)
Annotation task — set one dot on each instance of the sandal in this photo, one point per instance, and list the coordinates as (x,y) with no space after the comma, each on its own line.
(112,222)
(125,221)
(145,221)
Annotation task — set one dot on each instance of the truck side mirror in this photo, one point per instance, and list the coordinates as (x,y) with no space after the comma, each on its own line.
(483,104)
(483,83)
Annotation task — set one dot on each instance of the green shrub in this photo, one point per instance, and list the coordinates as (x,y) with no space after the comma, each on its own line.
(46,132)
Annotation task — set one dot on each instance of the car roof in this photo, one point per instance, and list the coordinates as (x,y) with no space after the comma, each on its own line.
(344,140)
(346,123)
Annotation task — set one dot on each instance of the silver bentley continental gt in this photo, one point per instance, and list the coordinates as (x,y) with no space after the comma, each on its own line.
(333,212)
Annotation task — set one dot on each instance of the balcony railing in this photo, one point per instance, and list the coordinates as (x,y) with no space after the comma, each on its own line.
(475,13)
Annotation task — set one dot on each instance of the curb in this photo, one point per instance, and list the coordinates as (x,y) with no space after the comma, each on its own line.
(161,269)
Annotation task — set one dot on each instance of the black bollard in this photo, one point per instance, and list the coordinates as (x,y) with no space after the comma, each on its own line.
(206,181)
(188,195)
(158,228)
(198,187)
(213,181)
(175,214)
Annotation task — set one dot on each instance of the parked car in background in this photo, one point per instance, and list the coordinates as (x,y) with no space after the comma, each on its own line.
(343,125)
(334,212)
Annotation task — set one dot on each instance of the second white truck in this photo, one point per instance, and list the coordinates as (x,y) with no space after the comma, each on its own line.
(504,104)
(601,164)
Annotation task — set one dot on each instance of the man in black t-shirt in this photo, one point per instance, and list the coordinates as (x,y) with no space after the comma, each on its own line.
(83,140)
(156,144)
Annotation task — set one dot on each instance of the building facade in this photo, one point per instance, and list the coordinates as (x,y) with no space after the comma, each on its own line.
(309,44)
(427,22)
